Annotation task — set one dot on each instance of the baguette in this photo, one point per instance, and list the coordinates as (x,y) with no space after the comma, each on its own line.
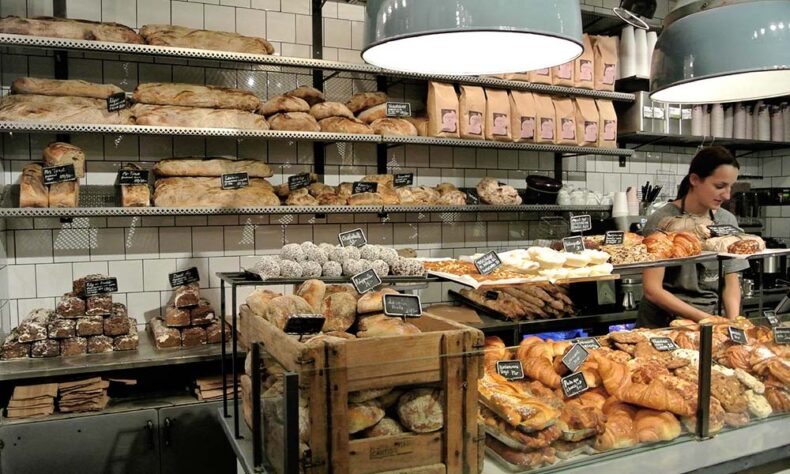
(68,28)
(47,109)
(32,192)
(175,116)
(207,192)
(183,37)
(211,167)
(56,87)
(191,95)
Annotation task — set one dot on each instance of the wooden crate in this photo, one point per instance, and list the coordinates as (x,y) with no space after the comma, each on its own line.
(445,355)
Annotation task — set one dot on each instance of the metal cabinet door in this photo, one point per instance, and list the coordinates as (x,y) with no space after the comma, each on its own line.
(193,441)
(115,443)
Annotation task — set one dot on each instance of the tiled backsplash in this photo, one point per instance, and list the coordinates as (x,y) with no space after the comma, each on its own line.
(42,256)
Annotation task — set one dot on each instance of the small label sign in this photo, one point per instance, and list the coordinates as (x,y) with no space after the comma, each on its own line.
(510,369)
(298,181)
(363,187)
(404,306)
(575,357)
(588,343)
(782,335)
(100,287)
(472,198)
(304,324)
(573,384)
(352,238)
(132,177)
(737,335)
(720,230)
(59,174)
(117,102)
(771,317)
(492,295)
(235,180)
(614,237)
(581,223)
(398,109)
(573,244)
(183,277)
(403,179)
(663,344)
(488,263)
(365,281)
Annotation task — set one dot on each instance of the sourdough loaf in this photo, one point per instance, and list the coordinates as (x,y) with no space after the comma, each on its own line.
(183,37)
(58,87)
(192,95)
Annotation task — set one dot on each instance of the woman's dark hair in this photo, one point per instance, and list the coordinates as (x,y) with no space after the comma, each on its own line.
(704,164)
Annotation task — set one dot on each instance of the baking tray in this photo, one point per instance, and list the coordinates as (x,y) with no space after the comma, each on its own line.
(631,268)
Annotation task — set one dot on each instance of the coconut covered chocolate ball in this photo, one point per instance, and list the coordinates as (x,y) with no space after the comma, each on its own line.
(332,269)
(310,269)
(268,267)
(293,252)
(370,252)
(381,268)
(290,269)
(352,267)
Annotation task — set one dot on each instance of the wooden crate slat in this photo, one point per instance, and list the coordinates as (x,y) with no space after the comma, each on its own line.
(388,452)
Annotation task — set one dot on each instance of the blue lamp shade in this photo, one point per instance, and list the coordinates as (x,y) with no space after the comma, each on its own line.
(724,51)
(464,37)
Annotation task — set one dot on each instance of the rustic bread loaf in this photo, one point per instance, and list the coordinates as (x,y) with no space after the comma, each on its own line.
(339,309)
(365,100)
(385,427)
(344,125)
(183,37)
(64,194)
(393,127)
(59,153)
(68,28)
(32,192)
(296,121)
(192,95)
(330,109)
(420,410)
(313,292)
(363,415)
(381,325)
(373,301)
(59,87)
(311,95)
(208,192)
(174,116)
(48,109)
(281,308)
(374,113)
(283,103)
(211,167)
(135,195)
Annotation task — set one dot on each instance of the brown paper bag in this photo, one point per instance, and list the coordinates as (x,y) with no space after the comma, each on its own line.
(605,48)
(607,136)
(442,110)
(565,122)
(540,76)
(562,75)
(586,122)
(472,108)
(497,125)
(523,118)
(584,66)
(545,117)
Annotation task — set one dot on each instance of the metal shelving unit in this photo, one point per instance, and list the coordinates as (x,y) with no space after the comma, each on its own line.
(649,138)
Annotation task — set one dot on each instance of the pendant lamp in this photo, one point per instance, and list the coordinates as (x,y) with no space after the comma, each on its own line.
(465,37)
(718,51)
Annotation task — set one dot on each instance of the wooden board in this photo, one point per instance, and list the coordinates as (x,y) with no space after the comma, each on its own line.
(387,452)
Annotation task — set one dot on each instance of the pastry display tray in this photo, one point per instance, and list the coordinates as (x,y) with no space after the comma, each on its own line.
(291,62)
(767,253)
(467,280)
(635,268)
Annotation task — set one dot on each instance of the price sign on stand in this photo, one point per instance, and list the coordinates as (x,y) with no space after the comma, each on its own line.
(352,238)
(472,199)
(771,317)
(59,174)
(398,109)
(488,263)
(575,357)
(581,223)
(404,306)
(663,344)
(365,281)
(614,237)
(510,369)
(573,384)
(298,181)
(132,177)
(720,230)
(117,102)
(235,180)
(184,277)
(403,179)
(100,287)
(492,295)
(782,335)
(573,244)
(737,335)
(303,324)
(588,342)
(363,187)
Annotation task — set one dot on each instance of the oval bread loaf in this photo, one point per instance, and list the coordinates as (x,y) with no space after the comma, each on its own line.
(420,410)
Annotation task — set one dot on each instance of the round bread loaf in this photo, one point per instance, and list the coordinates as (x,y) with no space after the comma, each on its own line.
(393,127)
(366,395)
(344,125)
(283,103)
(386,427)
(373,302)
(389,399)
(365,199)
(313,292)
(365,100)
(331,199)
(311,95)
(339,309)
(420,410)
(301,197)
(363,415)
(281,308)
(330,109)
(374,113)
(296,121)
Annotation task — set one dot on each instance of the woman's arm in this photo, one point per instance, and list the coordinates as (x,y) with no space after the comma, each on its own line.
(732,295)
(653,283)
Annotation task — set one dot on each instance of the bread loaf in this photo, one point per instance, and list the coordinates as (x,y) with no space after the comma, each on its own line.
(420,410)
(283,103)
(339,309)
(32,192)
(301,197)
(373,302)
(330,109)
(381,325)
(202,314)
(191,95)
(211,167)
(135,195)
(59,153)
(58,87)
(374,113)
(366,199)
(311,95)
(365,100)
(67,28)
(313,292)
(64,194)
(362,396)
(281,308)
(208,192)
(46,109)
(183,37)
(176,317)
(491,192)
(186,296)
(174,116)
(297,121)
(363,415)
(420,124)
(385,427)
(393,127)
(344,125)
(259,300)
(164,336)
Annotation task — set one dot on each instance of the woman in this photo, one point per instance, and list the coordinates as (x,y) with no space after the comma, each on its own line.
(691,291)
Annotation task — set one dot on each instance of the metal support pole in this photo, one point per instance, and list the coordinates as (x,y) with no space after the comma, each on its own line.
(558,166)
(704,381)
(61,58)
(319,150)
(761,262)
(291,422)
(257,435)
(381,149)
(234,338)
(224,352)
(721,284)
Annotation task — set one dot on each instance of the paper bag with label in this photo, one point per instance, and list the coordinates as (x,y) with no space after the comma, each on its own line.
(442,110)
(584,66)
(605,62)
(540,76)
(587,126)
(472,108)
(562,75)
(523,118)
(497,125)
(607,135)
(545,117)
(565,122)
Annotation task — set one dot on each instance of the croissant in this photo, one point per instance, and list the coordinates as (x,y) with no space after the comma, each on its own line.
(737,357)
(619,429)
(541,369)
(686,244)
(495,350)
(659,244)
(652,426)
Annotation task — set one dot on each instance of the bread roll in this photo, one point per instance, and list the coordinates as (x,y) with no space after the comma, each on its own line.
(374,113)
(373,301)
(183,37)
(297,121)
(174,116)
(330,109)
(344,125)
(420,410)
(339,310)
(365,100)
(64,194)
(57,87)
(313,292)
(311,95)
(68,28)
(47,109)
(393,127)
(135,195)
(208,192)
(59,153)
(363,415)
(211,167)
(32,192)
(283,103)
(191,95)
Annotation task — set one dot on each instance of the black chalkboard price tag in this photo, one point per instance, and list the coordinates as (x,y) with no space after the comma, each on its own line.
(402,306)
(492,295)
(581,223)
(588,343)
(614,237)
(573,384)
(771,317)
(352,238)
(100,287)
(59,174)
(235,180)
(132,177)
(663,344)
(403,179)
(184,277)
(575,357)
(304,324)
(472,199)
(298,181)
(488,263)
(117,102)
(782,335)
(737,335)
(365,281)
(363,187)
(510,369)
(573,244)
(398,109)
(720,230)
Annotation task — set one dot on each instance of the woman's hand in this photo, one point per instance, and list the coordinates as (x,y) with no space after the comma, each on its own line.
(653,284)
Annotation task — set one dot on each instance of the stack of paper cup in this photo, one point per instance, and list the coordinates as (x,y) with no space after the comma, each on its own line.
(717,120)
(652,38)
(697,120)
(729,120)
(786,120)
(764,123)
(777,124)
(739,127)
(749,122)
(619,204)
(627,52)
(642,60)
